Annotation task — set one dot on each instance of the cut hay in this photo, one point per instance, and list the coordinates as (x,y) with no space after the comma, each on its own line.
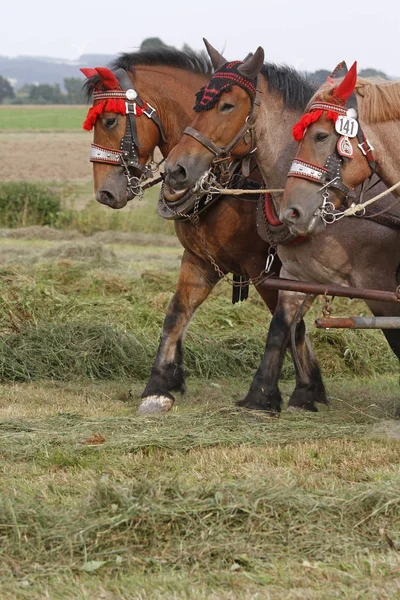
(89,252)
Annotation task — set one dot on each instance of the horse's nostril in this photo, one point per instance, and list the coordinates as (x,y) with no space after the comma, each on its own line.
(176,175)
(106,197)
(292,214)
(180,174)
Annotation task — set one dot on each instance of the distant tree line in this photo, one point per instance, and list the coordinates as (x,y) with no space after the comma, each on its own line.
(72,94)
(43,93)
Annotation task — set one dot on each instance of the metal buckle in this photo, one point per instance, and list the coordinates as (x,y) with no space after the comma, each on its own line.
(370,148)
(130,108)
(149,113)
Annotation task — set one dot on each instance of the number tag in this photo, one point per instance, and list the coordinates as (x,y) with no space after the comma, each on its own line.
(346,126)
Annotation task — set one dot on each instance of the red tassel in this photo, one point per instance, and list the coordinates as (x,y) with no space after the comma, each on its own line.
(116,105)
(346,87)
(92,115)
(305,121)
(331,115)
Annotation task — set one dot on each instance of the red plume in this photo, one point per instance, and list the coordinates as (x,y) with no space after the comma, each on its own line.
(108,78)
(346,87)
(88,72)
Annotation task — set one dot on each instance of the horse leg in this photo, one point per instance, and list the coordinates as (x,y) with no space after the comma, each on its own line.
(196,280)
(264,392)
(386,309)
(309,385)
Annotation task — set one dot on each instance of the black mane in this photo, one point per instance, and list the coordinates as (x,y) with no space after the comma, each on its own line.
(295,88)
(195,62)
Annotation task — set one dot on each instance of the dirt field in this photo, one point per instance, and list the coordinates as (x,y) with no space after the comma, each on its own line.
(45,156)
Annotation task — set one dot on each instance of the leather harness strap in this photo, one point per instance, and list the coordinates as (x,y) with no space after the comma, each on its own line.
(330,174)
(248,128)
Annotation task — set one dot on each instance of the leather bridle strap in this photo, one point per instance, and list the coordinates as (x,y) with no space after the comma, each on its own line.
(330,174)
(150,112)
(127,155)
(247,128)
(204,141)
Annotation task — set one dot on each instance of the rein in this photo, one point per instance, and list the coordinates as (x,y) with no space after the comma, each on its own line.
(127,101)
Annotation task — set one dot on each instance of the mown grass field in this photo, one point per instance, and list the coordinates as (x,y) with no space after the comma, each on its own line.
(208,501)
(41,118)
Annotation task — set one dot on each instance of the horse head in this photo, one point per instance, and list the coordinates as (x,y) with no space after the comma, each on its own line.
(223,128)
(333,153)
(126,132)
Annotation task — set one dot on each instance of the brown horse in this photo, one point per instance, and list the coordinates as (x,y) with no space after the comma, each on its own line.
(347,134)
(225,237)
(362,254)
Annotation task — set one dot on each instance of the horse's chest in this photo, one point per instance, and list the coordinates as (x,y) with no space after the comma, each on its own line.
(315,261)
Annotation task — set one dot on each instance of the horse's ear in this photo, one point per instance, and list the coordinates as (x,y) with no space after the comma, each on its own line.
(252,66)
(346,87)
(217,59)
(340,70)
(89,72)
(250,54)
(108,78)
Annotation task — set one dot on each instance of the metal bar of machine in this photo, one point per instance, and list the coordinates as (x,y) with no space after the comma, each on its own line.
(358,323)
(292,285)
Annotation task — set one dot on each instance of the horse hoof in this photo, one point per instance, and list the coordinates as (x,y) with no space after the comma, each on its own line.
(153,405)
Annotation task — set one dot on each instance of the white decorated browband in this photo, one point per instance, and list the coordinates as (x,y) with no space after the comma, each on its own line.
(105,155)
(301,168)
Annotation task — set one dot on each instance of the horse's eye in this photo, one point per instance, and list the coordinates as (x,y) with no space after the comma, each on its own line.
(226,107)
(321,137)
(110,122)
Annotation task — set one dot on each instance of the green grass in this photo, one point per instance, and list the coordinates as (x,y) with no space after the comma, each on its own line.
(94,217)
(81,309)
(208,501)
(41,118)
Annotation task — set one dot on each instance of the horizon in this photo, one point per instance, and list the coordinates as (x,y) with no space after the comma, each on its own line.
(289,32)
(76,61)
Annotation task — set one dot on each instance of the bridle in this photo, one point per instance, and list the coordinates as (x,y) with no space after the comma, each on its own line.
(330,175)
(223,160)
(127,155)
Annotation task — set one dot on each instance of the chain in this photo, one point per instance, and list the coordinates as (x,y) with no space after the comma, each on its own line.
(327,308)
(135,184)
(194,218)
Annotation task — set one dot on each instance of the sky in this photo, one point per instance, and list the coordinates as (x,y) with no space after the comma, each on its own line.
(305,34)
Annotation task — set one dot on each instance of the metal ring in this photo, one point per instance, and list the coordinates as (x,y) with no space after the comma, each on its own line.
(324,216)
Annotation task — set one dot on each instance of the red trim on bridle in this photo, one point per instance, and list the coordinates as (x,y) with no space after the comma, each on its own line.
(312,116)
(115,103)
